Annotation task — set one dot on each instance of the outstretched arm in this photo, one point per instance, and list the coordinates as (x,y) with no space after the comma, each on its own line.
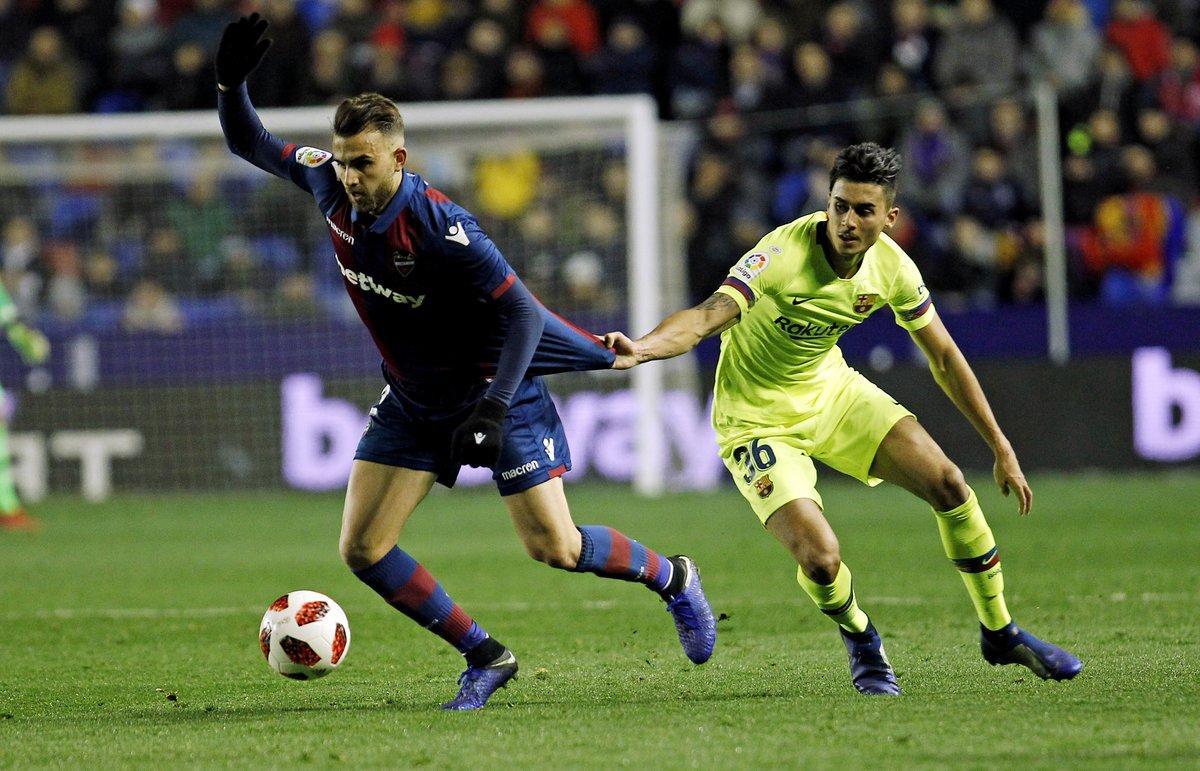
(678,333)
(241,50)
(952,372)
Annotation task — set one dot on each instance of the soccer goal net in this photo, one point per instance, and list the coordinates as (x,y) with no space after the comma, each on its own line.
(202,337)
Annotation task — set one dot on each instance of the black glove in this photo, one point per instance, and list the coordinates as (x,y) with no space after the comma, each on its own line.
(242,49)
(477,441)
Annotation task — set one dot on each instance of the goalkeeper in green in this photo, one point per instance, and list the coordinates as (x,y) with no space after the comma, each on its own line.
(34,348)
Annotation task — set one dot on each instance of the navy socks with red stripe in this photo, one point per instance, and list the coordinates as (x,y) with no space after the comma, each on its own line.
(409,588)
(611,554)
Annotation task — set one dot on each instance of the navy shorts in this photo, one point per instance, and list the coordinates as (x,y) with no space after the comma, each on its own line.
(535,450)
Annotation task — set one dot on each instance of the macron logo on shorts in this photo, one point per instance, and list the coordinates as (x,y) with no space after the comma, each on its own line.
(520,471)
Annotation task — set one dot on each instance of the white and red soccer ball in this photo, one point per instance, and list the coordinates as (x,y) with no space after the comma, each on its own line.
(304,635)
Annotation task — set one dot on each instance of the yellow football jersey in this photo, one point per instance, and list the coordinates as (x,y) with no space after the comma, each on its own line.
(781,362)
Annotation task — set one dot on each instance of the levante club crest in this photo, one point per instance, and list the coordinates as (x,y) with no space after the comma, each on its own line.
(764,486)
(404,262)
(865,302)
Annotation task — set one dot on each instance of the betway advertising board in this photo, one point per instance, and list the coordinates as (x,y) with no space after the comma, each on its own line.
(300,432)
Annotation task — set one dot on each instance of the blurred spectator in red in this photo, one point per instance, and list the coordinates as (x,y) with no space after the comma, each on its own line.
(1143,39)
(1129,247)
(914,40)
(1178,86)
(577,18)
(45,80)
(151,309)
(626,64)
(980,49)
(389,31)
(1065,48)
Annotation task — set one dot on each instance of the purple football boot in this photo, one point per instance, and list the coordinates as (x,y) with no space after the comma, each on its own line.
(870,670)
(479,683)
(1012,645)
(693,616)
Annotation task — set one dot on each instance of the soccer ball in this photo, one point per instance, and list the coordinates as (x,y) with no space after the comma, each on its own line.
(304,635)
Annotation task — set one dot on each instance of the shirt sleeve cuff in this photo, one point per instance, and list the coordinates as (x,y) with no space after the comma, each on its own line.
(918,318)
(742,294)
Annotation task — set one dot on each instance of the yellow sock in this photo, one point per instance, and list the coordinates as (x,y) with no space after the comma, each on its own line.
(836,600)
(971,547)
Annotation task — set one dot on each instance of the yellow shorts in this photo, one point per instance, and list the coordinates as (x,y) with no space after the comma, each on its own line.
(775,465)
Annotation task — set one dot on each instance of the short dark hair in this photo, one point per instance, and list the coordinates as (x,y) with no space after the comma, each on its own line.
(870,163)
(367,112)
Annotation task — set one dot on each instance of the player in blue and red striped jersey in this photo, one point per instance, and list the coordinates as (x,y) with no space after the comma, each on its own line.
(463,344)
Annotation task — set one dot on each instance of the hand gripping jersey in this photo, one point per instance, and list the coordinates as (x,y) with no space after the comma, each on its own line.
(425,278)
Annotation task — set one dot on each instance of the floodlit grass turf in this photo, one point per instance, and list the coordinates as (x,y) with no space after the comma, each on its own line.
(130,638)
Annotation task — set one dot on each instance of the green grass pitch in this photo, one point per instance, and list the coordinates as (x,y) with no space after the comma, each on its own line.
(130,638)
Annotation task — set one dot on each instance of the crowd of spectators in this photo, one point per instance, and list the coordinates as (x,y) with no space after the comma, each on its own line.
(772,87)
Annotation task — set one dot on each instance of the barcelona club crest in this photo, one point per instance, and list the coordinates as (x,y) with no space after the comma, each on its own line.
(764,486)
(865,302)
(404,262)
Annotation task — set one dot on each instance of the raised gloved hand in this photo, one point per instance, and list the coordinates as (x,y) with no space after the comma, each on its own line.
(30,343)
(242,48)
(477,441)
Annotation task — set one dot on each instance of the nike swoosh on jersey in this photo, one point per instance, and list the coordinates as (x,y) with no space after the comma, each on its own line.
(801,300)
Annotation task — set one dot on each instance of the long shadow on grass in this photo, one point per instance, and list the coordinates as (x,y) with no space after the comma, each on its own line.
(184,712)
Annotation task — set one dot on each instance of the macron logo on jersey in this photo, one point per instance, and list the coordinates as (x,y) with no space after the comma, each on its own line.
(458,234)
(367,283)
(340,233)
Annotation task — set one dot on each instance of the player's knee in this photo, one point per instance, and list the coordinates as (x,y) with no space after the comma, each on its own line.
(949,489)
(822,562)
(824,569)
(359,553)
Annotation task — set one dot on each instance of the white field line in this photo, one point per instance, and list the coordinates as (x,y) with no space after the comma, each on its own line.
(525,606)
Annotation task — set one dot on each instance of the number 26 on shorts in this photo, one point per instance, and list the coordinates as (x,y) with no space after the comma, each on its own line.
(754,457)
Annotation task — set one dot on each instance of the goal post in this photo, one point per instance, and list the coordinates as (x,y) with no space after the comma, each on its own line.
(582,221)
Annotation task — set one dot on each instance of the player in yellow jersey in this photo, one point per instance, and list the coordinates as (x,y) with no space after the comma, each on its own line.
(785,395)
